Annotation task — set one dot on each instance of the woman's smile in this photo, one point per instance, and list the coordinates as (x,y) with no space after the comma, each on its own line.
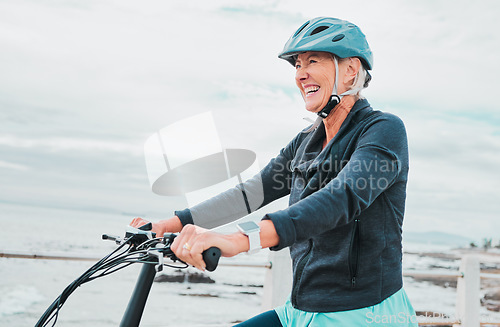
(311,90)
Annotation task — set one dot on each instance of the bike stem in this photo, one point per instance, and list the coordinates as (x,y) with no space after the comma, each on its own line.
(133,313)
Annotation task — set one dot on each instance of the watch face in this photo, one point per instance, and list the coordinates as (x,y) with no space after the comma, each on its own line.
(248,226)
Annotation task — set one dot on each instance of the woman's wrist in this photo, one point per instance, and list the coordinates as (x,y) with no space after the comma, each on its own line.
(171,225)
(268,237)
(240,242)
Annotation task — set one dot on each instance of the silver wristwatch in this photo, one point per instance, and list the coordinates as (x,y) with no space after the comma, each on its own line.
(252,231)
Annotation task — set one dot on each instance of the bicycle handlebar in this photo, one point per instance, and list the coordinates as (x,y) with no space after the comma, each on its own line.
(143,247)
(211,257)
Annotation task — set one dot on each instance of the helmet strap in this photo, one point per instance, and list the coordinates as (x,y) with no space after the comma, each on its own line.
(334,98)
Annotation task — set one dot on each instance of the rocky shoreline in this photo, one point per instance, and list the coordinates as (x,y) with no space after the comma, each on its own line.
(489,263)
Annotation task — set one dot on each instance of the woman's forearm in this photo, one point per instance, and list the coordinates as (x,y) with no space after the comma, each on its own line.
(268,235)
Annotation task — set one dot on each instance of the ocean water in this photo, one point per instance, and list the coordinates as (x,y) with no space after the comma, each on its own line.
(28,287)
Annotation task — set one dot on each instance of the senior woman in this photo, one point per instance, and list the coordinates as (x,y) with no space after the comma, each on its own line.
(348,174)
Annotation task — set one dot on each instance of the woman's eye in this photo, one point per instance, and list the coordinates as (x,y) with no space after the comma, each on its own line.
(297,66)
(312,61)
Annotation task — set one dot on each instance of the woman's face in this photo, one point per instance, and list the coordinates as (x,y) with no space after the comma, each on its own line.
(315,77)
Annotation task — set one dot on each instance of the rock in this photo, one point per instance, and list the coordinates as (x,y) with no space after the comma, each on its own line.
(493,307)
(491,300)
(180,277)
(431,314)
(443,281)
(493,295)
(199,294)
(199,278)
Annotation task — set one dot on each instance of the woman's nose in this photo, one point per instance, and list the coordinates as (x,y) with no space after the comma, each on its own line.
(301,74)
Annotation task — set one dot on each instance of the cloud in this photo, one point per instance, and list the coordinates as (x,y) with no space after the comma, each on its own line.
(10,165)
(453,177)
(84,84)
(68,143)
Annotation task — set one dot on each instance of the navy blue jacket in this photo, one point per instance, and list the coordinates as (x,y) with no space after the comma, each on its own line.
(344,222)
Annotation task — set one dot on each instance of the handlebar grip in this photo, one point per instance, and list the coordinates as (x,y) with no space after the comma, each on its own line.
(211,257)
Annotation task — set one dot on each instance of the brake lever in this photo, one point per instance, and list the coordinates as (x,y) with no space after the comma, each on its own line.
(134,236)
(143,230)
(117,239)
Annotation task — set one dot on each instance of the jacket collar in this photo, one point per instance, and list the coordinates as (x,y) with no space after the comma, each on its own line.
(312,150)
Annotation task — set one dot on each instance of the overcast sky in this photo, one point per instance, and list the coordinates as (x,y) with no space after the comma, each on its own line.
(83,84)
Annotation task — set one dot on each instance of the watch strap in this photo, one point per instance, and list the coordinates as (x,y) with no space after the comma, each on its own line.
(252,231)
(254,241)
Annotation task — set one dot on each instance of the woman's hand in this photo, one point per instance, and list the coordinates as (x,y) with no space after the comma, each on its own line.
(189,245)
(172,225)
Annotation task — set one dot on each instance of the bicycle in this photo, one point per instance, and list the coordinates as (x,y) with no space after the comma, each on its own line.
(143,247)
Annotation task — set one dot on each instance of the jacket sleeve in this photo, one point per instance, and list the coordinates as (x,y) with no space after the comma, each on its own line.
(271,183)
(380,155)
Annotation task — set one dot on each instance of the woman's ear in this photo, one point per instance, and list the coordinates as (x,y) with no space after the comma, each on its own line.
(352,69)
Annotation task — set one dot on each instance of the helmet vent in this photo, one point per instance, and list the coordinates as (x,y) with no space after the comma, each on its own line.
(319,29)
(338,38)
(301,28)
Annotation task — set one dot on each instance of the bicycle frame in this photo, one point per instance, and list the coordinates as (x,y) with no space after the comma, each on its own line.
(137,302)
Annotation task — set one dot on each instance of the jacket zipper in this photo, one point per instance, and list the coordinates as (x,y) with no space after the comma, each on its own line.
(354,253)
(298,273)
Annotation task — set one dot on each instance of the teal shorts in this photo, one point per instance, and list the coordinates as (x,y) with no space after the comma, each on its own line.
(395,311)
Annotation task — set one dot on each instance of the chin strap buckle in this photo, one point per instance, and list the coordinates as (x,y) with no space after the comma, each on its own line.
(334,100)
